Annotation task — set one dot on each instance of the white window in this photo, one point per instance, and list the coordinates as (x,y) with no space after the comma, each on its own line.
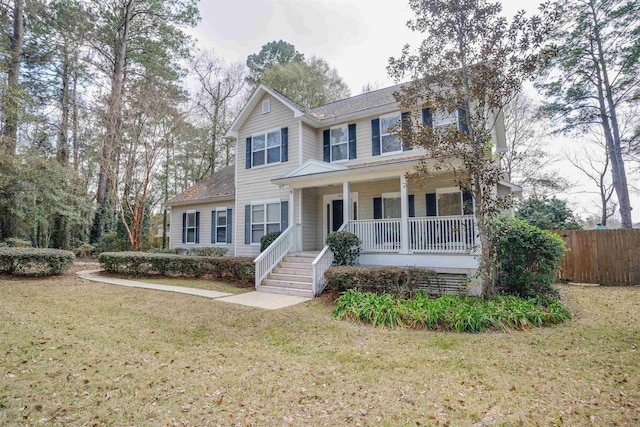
(266,148)
(221,225)
(265,218)
(443,118)
(449,201)
(191,227)
(391,205)
(339,143)
(389,142)
(266,106)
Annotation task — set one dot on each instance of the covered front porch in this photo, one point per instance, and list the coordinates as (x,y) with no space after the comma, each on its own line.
(400,224)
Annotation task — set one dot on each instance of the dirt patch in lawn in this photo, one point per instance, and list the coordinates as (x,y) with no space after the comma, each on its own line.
(76,352)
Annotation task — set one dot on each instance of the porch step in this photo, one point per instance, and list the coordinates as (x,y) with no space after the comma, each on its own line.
(277,275)
(286,291)
(293,276)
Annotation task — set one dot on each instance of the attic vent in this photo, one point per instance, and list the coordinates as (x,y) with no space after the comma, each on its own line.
(266,106)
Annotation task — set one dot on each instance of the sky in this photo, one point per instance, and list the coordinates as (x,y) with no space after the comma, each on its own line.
(357,37)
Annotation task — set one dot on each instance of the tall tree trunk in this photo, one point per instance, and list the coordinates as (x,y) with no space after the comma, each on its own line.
(113,123)
(74,121)
(60,225)
(618,173)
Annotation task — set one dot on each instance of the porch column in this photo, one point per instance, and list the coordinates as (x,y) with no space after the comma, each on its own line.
(345,202)
(404,216)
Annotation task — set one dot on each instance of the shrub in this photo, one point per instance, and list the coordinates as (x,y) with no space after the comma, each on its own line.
(399,281)
(208,251)
(35,262)
(14,242)
(268,239)
(527,258)
(235,269)
(448,312)
(345,247)
(84,250)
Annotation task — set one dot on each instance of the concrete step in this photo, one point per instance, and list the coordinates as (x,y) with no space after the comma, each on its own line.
(297,271)
(285,291)
(287,284)
(291,277)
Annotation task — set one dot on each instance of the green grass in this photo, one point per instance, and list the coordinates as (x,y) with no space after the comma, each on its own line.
(461,314)
(81,353)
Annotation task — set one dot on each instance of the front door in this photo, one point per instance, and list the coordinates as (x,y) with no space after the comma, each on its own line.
(337,214)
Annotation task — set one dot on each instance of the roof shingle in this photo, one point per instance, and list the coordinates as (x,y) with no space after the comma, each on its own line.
(221,184)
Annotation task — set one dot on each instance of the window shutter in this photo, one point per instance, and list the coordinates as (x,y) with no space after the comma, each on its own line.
(432,209)
(467,203)
(377,208)
(229,226)
(426,117)
(412,206)
(248,153)
(462,120)
(284,134)
(247,224)
(352,141)
(284,215)
(197,227)
(405,126)
(184,227)
(326,146)
(375,137)
(214,224)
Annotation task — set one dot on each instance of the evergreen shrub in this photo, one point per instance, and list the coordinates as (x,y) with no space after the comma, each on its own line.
(268,239)
(35,262)
(345,247)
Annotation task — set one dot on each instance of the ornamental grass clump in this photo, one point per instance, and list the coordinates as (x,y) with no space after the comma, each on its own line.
(448,312)
(35,262)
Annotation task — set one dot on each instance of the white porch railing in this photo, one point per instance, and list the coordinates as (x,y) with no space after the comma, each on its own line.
(271,257)
(322,262)
(377,235)
(436,234)
(442,234)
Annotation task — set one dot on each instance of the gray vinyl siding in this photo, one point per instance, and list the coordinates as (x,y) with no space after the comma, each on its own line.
(309,213)
(175,231)
(254,185)
(309,149)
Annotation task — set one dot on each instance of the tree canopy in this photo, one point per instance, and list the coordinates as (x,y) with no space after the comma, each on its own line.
(548,214)
(272,53)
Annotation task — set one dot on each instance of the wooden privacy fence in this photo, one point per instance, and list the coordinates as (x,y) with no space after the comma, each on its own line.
(607,257)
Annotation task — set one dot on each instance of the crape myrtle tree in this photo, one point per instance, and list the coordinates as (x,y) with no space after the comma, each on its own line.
(472,61)
(595,77)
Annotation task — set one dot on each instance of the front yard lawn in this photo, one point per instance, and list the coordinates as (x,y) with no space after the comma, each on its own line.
(75,352)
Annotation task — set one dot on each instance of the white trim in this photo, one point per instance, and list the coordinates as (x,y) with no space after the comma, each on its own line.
(266,147)
(327,199)
(266,106)
(214,226)
(186,227)
(265,222)
(300,141)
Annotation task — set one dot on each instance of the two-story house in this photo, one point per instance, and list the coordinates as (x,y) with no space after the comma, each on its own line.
(307,172)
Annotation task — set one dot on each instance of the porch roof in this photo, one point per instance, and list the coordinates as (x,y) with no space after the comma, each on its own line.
(314,173)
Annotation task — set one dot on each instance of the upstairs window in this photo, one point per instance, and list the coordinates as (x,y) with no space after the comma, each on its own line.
(390,143)
(266,148)
(339,141)
(443,119)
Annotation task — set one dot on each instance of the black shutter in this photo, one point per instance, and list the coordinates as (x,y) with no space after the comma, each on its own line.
(462,120)
(426,117)
(247,224)
(284,215)
(467,203)
(184,227)
(248,154)
(377,208)
(229,226)
(326,146)
(352,141)
(197,227)
(214,224)
(375,137)
(284,134)
(432,209)
(412,206)
(405,126)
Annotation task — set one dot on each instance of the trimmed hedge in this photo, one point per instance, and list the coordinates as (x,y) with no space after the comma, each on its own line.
(448,312)
(345,247)
(199,251)
(236,269)
(35,262)
(400,281)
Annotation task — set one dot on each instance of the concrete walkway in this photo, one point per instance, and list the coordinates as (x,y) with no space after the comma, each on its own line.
(262,300)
